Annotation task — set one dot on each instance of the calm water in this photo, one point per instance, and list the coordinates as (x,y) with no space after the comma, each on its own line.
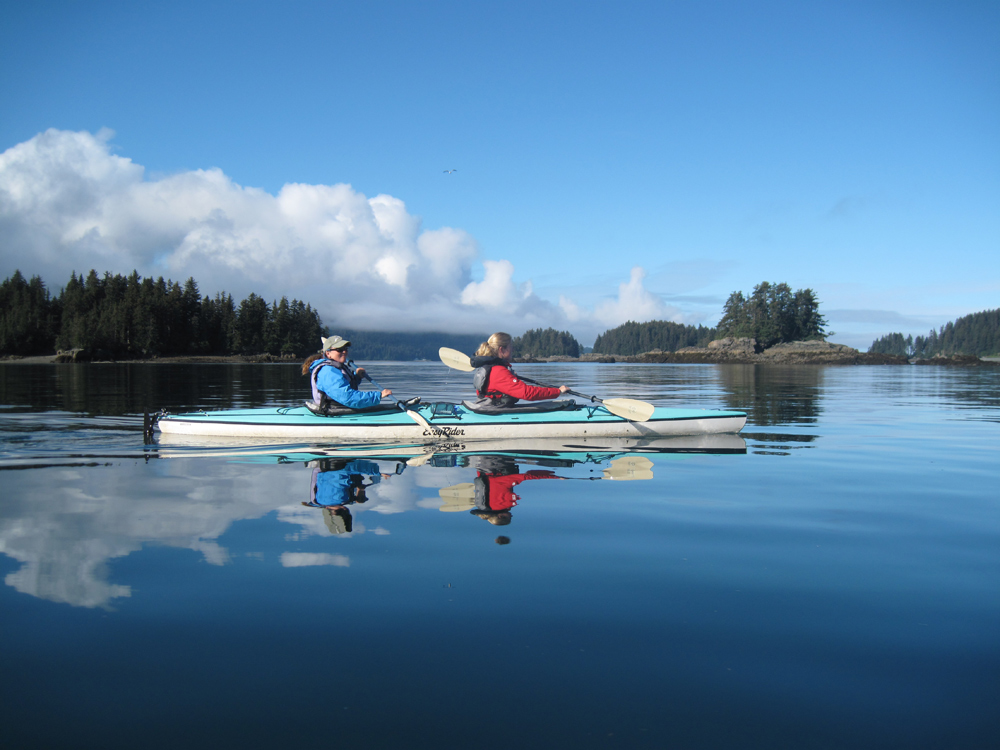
(831,582)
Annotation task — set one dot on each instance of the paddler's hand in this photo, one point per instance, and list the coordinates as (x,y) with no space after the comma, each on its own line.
(386,393)
(360,372)
(563,388)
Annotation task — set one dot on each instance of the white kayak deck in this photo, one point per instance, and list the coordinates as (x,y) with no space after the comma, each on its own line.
(441,420)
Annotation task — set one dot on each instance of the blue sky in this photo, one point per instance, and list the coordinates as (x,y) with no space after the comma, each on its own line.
(613,161)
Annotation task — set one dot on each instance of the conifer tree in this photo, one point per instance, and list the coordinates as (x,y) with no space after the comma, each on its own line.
(28,316)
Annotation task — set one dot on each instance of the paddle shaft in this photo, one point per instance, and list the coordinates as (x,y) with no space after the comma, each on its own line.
(631,409)
(412,414)
(459,361)
(592,399)
(371,380)
(572,393)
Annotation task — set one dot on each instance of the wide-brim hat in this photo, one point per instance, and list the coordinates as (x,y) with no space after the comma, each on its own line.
(334,342)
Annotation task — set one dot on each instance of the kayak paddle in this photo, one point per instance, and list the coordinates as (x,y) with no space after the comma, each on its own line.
(626,408)
(628,468)
(409,412)
(455,359)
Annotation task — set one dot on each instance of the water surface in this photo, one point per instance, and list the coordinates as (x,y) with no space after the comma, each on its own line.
(828,580)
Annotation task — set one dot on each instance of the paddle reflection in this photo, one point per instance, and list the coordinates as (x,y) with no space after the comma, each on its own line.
(491,496)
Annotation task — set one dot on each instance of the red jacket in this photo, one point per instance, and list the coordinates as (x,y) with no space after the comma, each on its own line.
(500,489)
(502,380)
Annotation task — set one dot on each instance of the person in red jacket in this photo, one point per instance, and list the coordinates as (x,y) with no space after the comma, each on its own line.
(495,380)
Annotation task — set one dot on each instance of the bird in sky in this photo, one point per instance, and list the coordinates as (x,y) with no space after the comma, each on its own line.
(449,171)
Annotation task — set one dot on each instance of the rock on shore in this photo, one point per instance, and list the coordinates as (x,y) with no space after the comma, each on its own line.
(746,351)
(722,351)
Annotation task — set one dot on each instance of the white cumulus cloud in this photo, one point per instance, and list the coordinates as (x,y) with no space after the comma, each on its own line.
(68,203)
(634,302)
(497,287)
(309,559)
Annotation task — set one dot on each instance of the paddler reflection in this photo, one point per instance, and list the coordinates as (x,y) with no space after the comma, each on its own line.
(337,483)
(496,478)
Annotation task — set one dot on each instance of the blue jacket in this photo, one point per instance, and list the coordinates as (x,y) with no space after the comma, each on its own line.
(338,385)
(337,487)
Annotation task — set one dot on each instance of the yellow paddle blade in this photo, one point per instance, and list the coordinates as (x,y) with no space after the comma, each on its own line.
(463,491)
(629,467)
(458,497)
(420,460)
(418,419)
(629,408)
(455,359)
(447,506)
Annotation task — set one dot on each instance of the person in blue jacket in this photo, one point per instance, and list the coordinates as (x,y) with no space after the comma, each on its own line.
(333,381)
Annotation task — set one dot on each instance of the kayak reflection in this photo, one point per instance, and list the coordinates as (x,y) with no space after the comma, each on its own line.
(554,451)
(340,470)
(337,483)
(341,474)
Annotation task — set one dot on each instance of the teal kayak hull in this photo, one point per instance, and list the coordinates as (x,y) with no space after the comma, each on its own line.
(437,421)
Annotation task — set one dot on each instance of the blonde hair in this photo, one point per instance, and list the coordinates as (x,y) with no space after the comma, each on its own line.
(491,347)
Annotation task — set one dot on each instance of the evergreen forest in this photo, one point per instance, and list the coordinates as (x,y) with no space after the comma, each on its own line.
(637,338)
(121,317)
(546,342)
(977,335)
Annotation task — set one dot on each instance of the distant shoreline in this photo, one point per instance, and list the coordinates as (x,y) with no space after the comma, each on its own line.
(738,353)
(745,352)
(236,359)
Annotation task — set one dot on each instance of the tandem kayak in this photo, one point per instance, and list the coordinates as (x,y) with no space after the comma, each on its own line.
(444,420)
(573,449)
